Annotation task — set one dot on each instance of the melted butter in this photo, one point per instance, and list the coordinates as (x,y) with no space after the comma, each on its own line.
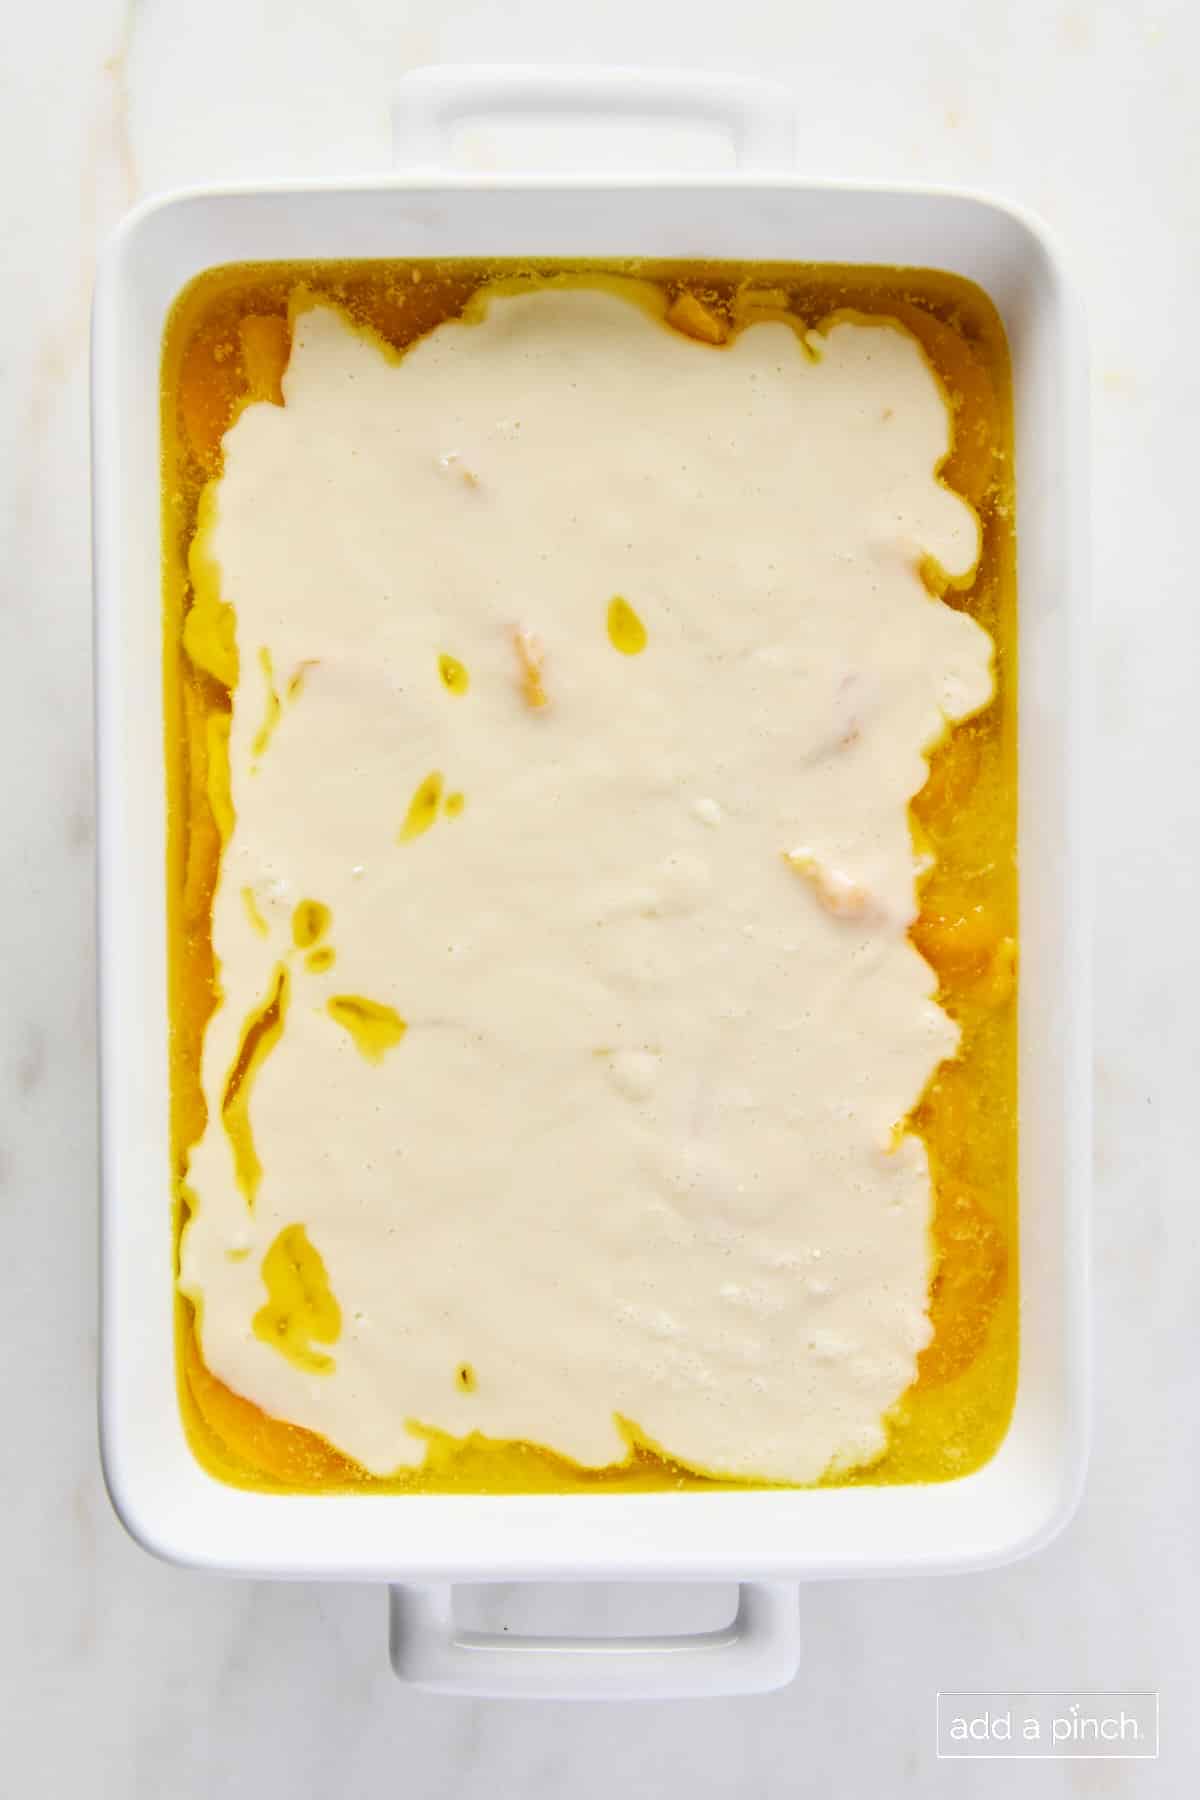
(422,809)
(265,344)
(454,805)
(256,1450)
(220,793)
(465,1378)
(296,680)
(310,921)
(375,1028)
(695,320)
(252,911)
(941,1428)
(273,708)
(210,628)
(300,1308)
(531,658)
(626,632)
(970,1273)
(317,961)
(454,675)
(262,1031)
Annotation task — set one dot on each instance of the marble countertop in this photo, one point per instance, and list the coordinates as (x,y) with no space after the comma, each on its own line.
(120,1677)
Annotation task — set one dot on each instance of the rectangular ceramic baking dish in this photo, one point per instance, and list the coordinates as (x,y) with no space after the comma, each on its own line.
(767,1540)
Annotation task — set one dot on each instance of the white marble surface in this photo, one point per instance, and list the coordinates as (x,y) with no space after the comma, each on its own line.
(123,1678)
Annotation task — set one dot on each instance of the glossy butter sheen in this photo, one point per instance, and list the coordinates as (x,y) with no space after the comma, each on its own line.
(634,1156)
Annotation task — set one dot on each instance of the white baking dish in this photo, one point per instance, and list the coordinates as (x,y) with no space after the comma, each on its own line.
(768,1540)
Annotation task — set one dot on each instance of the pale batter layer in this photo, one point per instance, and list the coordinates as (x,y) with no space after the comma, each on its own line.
(591,1116)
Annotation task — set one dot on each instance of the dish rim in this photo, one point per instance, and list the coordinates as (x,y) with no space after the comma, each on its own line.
(977,1521)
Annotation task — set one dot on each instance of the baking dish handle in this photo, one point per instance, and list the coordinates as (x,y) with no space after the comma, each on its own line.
(759,116)
(758,1650)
